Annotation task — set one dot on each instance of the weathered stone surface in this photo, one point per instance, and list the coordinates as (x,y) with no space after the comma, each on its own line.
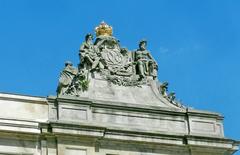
(101,90)
(73,125)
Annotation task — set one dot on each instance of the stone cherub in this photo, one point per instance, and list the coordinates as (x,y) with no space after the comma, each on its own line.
(145,64)
(89,54)
(66,77)
(172,97)
(163,88)
(79,83)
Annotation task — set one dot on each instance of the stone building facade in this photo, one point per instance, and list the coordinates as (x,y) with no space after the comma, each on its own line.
(111,104)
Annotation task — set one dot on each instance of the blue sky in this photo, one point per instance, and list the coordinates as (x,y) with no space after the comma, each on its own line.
(196,45)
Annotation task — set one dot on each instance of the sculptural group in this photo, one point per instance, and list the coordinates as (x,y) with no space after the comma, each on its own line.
(107,57)
(104,57)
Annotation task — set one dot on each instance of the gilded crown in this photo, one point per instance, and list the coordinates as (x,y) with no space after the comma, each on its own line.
(103,29)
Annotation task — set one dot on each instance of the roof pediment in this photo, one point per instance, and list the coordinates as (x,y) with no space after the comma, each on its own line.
(109,72)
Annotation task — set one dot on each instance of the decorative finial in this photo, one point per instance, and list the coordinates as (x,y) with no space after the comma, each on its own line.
(103,29)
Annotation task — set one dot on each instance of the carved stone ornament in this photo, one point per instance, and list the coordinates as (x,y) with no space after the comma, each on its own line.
(104,58)
(112,62)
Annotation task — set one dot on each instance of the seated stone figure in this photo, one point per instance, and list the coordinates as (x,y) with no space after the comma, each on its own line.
(145,64)
(89,55)
(66,77)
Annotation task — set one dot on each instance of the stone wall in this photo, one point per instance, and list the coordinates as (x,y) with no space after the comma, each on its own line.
(80,126)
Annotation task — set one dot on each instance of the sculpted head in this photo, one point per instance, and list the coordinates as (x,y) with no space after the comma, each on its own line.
(68,63)
(88,37)
(142,45)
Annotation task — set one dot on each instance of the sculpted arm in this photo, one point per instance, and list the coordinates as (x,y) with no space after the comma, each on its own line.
(99,44)
(82,48)
(151,57)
